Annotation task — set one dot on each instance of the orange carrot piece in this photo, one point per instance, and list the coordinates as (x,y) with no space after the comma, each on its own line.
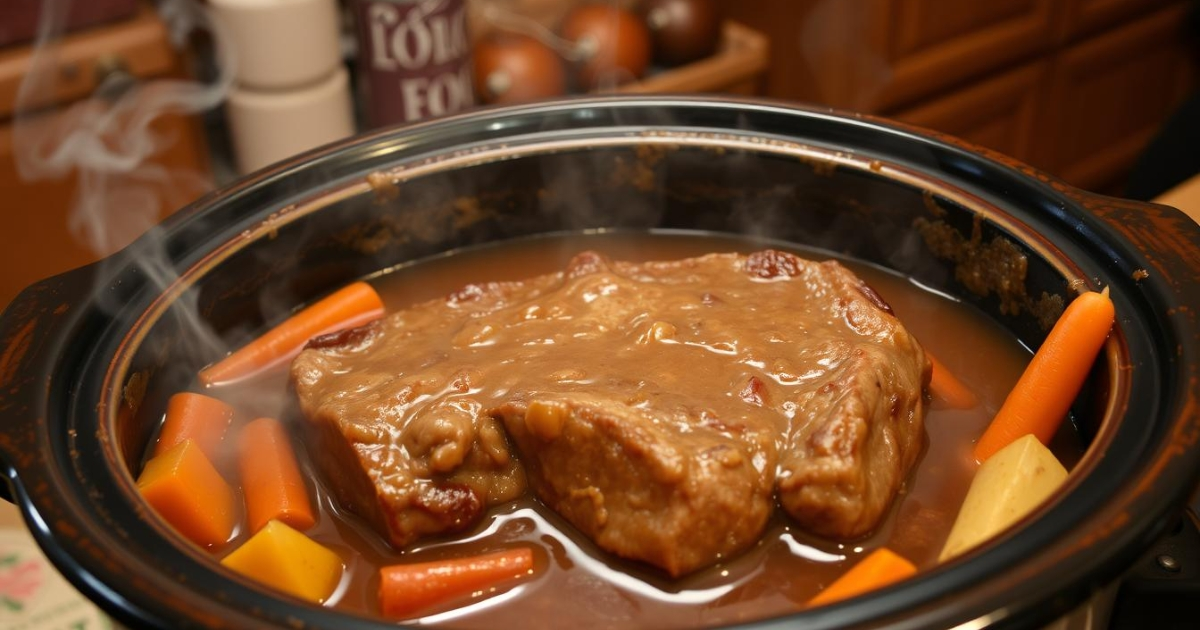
(946,386)
(195,417)
(405,589)
(184,488)
(271,480)
(1043,395)
(877,570)
(351,306)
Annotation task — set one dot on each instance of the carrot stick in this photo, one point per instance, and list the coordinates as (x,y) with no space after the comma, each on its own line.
(351,306)
(946,386)
(405,589)
(1045,391)
(195,417)
(271,480)
(877,570)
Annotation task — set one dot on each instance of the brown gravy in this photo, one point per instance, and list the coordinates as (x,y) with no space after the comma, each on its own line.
(580,586)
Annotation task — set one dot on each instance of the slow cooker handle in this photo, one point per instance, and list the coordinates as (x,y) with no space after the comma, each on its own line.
(1160,589)
(1171,234)
(32,336)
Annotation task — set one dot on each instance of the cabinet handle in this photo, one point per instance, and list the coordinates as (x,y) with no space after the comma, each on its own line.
(112,76)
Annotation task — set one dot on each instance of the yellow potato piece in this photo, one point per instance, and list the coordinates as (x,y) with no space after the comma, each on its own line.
(1009,485)
(286,559)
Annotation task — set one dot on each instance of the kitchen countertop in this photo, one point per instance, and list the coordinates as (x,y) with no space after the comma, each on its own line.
(1185,196)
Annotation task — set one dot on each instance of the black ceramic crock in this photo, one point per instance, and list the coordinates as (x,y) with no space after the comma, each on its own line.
(86,358)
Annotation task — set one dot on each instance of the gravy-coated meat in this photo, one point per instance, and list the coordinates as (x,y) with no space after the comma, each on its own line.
(661,408)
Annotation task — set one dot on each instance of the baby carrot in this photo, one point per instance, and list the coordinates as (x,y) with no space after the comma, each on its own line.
(405,589)
(1045,391)
(351,306)
(271,480)
(946,386)
(880,568)
(195,417)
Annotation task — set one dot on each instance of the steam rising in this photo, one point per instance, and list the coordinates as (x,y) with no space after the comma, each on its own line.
(108,138)
(108,141)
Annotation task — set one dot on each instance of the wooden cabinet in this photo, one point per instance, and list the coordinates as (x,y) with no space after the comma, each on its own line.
(1081,18)
(1000,112)
(1107,96)
(40,235)
(934,44)
(1075,87)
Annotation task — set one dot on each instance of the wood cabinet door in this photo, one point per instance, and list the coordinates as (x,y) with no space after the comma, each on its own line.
(999,113)
(930,45)
(37,237)
(1109,94)
(1085,17)
(881,55)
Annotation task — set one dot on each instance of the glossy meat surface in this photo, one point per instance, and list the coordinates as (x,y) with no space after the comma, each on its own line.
(661,407)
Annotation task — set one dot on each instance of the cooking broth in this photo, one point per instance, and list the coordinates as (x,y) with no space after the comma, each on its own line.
(579,585)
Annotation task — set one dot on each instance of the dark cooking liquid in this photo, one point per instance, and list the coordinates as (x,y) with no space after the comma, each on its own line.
(576,584)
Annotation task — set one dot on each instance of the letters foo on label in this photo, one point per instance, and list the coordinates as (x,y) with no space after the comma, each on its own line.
(424,49)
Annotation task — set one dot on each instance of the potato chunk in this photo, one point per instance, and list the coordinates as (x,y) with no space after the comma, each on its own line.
(286,559)
(1009,485)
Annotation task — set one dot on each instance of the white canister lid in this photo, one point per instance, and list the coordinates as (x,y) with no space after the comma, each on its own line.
(282,43)
(268,126)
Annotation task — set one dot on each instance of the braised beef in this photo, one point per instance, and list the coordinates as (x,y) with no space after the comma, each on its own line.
(661,408)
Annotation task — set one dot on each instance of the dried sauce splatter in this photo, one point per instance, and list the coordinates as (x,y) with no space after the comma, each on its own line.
(994,267)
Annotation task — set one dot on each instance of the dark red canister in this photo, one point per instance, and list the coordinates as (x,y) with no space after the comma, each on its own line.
(414,59)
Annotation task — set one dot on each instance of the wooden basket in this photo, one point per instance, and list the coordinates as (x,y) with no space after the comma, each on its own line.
(737,67)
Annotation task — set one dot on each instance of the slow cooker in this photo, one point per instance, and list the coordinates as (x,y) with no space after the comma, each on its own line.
(85,357)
